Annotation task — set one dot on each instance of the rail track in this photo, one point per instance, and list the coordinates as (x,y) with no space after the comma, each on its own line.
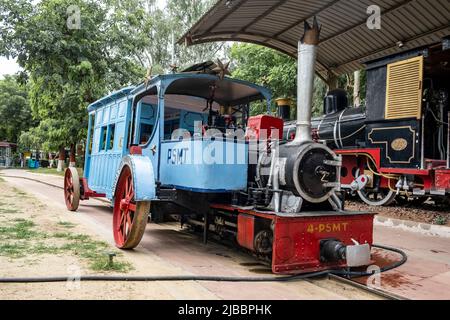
(321,279)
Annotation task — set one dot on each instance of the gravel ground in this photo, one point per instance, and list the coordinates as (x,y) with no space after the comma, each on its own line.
(428,212)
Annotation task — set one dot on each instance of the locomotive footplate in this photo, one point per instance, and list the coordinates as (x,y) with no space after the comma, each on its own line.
(306,241)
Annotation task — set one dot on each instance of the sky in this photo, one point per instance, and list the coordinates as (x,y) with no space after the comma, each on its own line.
(7,67)
(11,67)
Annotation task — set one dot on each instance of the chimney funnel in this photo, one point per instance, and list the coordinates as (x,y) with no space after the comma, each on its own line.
(307,52)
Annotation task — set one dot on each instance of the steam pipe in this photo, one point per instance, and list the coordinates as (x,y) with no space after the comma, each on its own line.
(307,53)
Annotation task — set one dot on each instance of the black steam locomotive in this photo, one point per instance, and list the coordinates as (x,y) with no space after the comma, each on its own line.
(397,145)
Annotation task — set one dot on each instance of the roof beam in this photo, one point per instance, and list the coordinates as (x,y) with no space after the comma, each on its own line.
(296,23)
(231,10)
(363,22)
(263,15)
(405,42)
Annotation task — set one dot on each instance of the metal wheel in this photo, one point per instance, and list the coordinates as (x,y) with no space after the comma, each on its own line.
(130,217)
(72,189)
(382,197)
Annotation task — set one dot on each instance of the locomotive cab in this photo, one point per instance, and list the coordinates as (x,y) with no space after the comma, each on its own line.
(406,152)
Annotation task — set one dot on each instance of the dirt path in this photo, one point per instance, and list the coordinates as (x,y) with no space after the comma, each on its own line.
(39,240)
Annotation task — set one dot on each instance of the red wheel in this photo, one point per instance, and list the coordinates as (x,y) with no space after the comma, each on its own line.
(72,189)
(130,217)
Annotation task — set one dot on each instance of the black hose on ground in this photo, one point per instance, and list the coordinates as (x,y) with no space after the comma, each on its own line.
(382,269)
(213,278)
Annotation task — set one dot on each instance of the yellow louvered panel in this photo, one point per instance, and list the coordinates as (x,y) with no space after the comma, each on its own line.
(404,89)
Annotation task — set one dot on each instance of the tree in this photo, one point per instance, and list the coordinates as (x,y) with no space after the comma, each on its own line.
(183,14)
(75,51)
(71,63)
(15,111)
(276,71)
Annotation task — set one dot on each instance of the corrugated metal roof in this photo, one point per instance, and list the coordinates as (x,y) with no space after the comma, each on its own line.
(346,41)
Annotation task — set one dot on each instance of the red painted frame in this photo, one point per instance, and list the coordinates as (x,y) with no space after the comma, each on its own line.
(296,240)
(87,192)
(435,176)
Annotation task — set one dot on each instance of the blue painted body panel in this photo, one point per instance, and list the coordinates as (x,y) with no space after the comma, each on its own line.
(204,165)
(108,132)
(143,176)
(108,141)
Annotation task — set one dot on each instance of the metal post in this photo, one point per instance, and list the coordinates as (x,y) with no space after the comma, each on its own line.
(276,181)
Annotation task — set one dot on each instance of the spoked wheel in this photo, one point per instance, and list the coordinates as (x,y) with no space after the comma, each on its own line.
(382,197)
(130,217)
(72,189)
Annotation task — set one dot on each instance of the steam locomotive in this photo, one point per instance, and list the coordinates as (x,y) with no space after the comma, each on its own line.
(396,147)
(277,199)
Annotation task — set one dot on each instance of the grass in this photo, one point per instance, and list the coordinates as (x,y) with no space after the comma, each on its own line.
(47,171)
(66,224)
(5,210)
(22,229)
(13,249)
(102,264)
(440,220)
(20,192)
(53,171)
(21,239)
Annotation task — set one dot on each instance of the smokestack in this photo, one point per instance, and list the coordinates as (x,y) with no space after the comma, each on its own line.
(307,52)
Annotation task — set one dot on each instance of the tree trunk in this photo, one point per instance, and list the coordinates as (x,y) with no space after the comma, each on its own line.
(356,89)
(333,82)
(50,160)
(72,160)
(61,158)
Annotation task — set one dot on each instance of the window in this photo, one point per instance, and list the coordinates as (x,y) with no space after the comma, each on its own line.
(91,133)
(110,144)
(102,139)
(146,132)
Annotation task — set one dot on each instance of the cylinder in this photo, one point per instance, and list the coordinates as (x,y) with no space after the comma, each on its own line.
(309,170)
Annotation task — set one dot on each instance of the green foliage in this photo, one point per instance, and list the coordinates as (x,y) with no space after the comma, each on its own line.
(20,230)
(182,15)
(15,111)
(274,70)
(265,67)
(440,220)
(68,68)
